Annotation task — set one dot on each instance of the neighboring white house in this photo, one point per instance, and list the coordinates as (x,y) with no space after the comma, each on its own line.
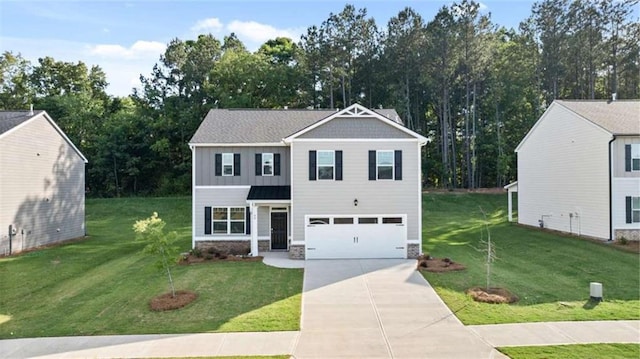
(579,169)
(41,183)
(316,183)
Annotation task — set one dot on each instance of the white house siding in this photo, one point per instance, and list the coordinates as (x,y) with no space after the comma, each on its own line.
(41,187)
(563,170)
(217,197)
(374,197)
(618,156)
(623,187)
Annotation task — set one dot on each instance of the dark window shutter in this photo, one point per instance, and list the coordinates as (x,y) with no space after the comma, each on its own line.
(207,220)
(247,221)
(276,164)
(627,159)
(398,165)
(629,214)
(312,165)
(372,165)
(258,164)
(236,164)
(338,165)
(218,164)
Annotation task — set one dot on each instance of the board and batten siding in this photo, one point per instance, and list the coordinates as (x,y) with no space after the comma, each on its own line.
(374,197)
(619,157)
(563,171)
(42,187)
(216,197)
(205,167)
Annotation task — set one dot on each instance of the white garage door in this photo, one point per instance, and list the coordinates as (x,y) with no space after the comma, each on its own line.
(370,236)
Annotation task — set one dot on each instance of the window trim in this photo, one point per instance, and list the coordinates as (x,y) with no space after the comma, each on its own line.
(223,164)
(228,220)
(635,209)
(636,147)
(393,165)
(273,166)
(333,165)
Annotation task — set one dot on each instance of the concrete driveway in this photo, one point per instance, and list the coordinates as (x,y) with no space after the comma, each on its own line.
(379,309)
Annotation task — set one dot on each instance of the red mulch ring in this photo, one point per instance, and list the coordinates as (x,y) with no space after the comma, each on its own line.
(438,265)
(191,259)
(168,302)
(492,295)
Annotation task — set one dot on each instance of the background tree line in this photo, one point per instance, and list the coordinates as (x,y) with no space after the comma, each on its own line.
(472,87)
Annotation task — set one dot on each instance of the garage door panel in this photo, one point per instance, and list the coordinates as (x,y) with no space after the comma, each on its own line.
(368,237)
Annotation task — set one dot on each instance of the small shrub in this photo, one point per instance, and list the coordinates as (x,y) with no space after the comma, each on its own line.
(222,256)
(196,252)
(208,257)
(623,240)
(212,251)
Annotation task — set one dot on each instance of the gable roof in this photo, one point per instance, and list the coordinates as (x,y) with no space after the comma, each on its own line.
(620,117)
(12,120)
(356,111)
(266,126)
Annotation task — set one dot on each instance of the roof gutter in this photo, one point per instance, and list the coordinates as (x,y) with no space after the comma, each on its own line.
(613,138)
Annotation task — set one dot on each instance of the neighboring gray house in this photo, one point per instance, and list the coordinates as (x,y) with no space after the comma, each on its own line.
(579,169)
(41,183)
(316,183)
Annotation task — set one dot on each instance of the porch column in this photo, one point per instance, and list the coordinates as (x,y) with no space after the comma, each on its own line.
(254,228)
(510,205)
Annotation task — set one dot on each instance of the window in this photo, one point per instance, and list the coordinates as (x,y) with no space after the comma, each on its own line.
(343,220)
(227,164)
(635,157)
(635,209)
(267,164)
(367,220)
(318,220)
(384,165)
(326,165)
(228,220)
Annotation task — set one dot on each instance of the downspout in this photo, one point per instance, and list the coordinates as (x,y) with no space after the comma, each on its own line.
(613,138)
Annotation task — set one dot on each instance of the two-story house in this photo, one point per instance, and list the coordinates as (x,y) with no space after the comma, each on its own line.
(316,183)
(579,169)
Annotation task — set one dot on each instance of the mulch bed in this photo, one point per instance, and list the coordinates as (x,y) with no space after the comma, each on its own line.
(207,258)
(629,246)
(492,295)
(169,302)
(438,265)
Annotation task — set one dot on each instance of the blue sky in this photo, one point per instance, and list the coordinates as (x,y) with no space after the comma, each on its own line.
(126,38)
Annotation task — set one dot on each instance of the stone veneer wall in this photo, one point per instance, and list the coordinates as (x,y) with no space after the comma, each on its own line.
(413,250)
(629,234)
(228,247)
(264,245)
(296,251)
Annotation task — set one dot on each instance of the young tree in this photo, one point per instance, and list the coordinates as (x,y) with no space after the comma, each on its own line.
(160,244)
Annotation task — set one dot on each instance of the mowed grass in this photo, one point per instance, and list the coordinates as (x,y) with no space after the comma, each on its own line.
(102,285)
(577,351)
(550,273)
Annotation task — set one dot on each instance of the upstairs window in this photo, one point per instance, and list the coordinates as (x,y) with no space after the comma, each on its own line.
(267,164)
(384,165)
(632,157)
(326,165)
(227,164)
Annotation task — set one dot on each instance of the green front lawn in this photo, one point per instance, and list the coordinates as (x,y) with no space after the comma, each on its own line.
(550,273)
(102,285)
(578,351)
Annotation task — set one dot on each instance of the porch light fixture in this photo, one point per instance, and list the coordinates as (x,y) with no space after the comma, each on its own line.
(355,202)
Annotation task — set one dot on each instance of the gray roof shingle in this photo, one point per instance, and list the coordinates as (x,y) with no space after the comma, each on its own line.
(620,117)
(11,119)
(261,125)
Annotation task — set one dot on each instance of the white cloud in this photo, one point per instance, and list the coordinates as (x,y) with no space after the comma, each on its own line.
(259,33)
(137,50)
(212,25)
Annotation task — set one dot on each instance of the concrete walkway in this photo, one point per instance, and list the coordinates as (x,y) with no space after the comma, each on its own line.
(350,309)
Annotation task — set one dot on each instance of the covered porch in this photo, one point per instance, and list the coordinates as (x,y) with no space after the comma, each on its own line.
(270,217)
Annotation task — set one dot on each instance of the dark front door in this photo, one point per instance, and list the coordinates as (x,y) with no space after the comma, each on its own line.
(278,230)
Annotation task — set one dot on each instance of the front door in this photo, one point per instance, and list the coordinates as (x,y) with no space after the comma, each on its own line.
(278,230)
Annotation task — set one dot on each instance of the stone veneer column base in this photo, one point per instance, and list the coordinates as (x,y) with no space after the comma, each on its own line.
(228,247)
(296,251)
(629,234)
(413,250)
(264,245)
